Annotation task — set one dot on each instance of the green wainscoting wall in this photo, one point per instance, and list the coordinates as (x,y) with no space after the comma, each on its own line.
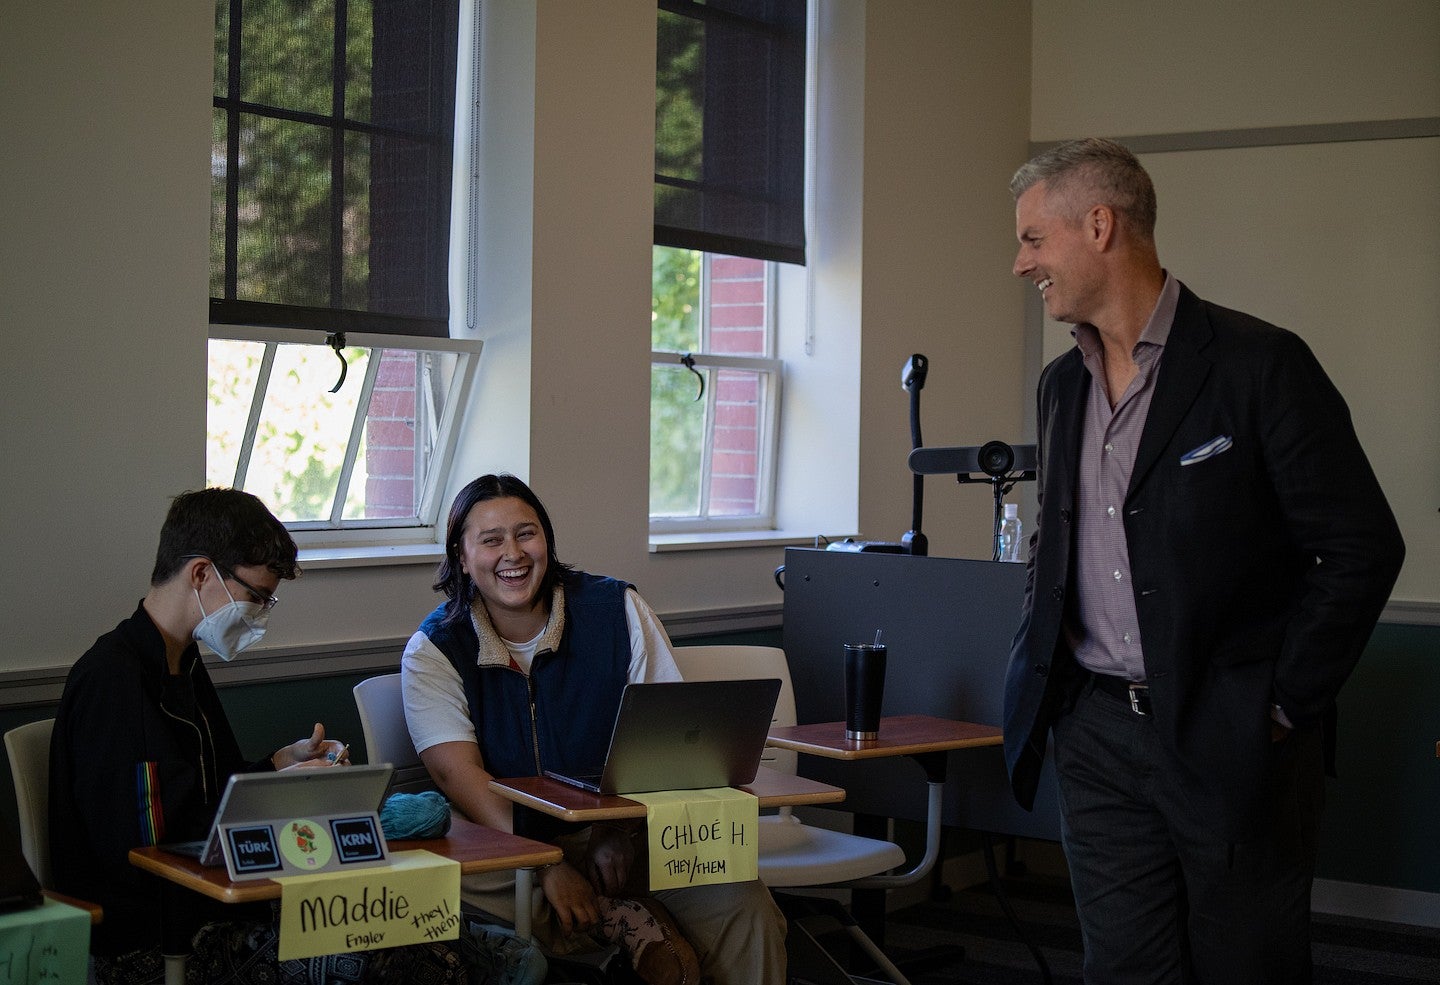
(1381,816)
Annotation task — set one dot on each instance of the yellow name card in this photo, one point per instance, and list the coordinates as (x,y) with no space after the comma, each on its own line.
(699,837)
(412,900)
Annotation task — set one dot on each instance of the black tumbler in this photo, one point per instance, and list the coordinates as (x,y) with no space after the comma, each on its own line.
(864,689)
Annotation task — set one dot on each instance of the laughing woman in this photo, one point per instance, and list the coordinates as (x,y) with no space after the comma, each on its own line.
(520,670)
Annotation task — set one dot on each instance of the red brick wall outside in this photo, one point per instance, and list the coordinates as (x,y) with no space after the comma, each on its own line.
(391,484)
(738,309)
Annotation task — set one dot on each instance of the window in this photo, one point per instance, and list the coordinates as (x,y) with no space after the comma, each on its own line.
(333,135)
(333,386)
(714,391)
(730,105)
(366,455)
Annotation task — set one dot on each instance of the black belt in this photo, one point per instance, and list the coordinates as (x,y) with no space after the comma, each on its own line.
(1136,695)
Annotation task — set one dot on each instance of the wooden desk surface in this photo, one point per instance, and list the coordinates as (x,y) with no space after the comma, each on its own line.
(476,847)
(900,735)
(573,804)
(94,909)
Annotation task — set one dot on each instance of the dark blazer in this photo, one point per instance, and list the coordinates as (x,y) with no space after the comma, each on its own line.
(1259,573)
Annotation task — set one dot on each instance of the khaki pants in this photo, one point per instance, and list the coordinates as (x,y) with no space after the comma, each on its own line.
(736,928)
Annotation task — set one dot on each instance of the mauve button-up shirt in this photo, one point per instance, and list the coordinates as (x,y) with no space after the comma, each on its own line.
(1103,629)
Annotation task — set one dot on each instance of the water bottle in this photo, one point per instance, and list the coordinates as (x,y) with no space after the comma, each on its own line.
(1010,534)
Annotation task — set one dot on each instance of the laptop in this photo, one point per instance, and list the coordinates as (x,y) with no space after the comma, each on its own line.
(253,799)
(686,735)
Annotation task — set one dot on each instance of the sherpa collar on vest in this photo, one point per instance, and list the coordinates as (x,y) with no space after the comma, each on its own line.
(492,649)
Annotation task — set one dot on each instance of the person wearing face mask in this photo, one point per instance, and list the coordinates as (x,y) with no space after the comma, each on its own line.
(142,749)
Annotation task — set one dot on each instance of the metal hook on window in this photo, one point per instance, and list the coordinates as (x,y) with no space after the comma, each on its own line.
(688,361)
(336,341)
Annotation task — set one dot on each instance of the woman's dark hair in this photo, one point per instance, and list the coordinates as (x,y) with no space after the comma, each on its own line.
(451,579)
(230,527)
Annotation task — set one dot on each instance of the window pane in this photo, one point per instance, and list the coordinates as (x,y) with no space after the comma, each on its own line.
(287,54)
(675,300)
(739,308)
(222,47)
(218,131)
(677,435)
(234,367)
(388,470)
(284,212)
(304,429)
(735,444)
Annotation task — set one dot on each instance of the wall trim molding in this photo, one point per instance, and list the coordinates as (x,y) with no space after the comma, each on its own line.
(38,687)
(1311,133)
(1357,899)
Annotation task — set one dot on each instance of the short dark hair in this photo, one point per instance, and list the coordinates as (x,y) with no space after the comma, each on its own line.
(1105,171)
(451,579)
(228,526)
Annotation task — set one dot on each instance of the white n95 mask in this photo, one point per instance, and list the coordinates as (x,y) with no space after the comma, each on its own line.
(231,628)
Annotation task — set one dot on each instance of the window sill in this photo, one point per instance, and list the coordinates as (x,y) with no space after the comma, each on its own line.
(372,556)
(726,540)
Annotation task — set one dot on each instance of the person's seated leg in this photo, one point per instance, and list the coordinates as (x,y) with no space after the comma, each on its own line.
(143,967)
(736,928)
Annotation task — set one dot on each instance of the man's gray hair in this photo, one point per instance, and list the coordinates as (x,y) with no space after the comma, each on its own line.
(1093,171)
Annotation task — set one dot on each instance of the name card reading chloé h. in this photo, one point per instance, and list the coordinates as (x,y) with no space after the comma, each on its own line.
(412,900)
(699,837)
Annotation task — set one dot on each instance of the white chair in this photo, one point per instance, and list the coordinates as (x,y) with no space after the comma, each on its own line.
(28,749)
(793,854)
(387,738)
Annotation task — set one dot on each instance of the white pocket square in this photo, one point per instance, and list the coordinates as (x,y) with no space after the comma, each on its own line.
(1211,448)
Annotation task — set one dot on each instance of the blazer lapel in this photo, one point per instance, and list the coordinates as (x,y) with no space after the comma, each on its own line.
(1183,370)
(1066,417)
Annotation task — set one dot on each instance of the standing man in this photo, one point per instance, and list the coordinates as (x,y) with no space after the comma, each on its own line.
(1212,553)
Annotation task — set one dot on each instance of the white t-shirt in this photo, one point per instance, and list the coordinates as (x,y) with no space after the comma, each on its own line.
(435,706)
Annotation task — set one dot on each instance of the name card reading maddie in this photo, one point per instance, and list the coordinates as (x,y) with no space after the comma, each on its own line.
(698,837)
(412,900)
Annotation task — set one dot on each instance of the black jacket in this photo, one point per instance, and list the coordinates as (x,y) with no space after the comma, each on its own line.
(1259,573)
(138,757)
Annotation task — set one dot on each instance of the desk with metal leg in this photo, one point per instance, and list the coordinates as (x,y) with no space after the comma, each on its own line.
(477,848)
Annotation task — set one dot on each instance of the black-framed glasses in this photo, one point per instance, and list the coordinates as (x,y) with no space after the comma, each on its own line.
(266,602)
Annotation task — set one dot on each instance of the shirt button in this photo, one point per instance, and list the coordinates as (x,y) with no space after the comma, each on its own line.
(1118,576)
(1127,637)
(1110,511)
(1109,447)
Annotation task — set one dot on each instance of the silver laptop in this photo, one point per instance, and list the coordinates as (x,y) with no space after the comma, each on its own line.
(684,736)
(294,793)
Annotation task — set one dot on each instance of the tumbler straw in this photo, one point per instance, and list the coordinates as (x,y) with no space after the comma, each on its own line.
(877,637)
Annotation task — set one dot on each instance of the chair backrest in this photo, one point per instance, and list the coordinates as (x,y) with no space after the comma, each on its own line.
(721,662)
(28,749)
(387,738)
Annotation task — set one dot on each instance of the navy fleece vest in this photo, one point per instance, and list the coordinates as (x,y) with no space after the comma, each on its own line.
(575,690)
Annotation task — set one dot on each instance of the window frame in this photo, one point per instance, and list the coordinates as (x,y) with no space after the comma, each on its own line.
(336,531)
(772,368)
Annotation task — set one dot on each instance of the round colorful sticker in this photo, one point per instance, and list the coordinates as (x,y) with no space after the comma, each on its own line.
(306,844)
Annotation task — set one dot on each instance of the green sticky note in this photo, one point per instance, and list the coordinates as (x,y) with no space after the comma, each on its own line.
(48,943)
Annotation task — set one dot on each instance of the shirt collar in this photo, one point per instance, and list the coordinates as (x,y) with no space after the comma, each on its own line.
(1157,329)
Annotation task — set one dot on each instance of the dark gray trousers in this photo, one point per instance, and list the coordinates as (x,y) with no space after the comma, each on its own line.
(1160,899)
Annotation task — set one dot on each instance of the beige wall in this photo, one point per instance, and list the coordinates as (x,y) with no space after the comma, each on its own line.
(1338,239)
(946,96)
(103,296)
(1126,67)
(103,253)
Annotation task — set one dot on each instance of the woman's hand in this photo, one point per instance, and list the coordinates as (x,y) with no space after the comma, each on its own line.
(571,897)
